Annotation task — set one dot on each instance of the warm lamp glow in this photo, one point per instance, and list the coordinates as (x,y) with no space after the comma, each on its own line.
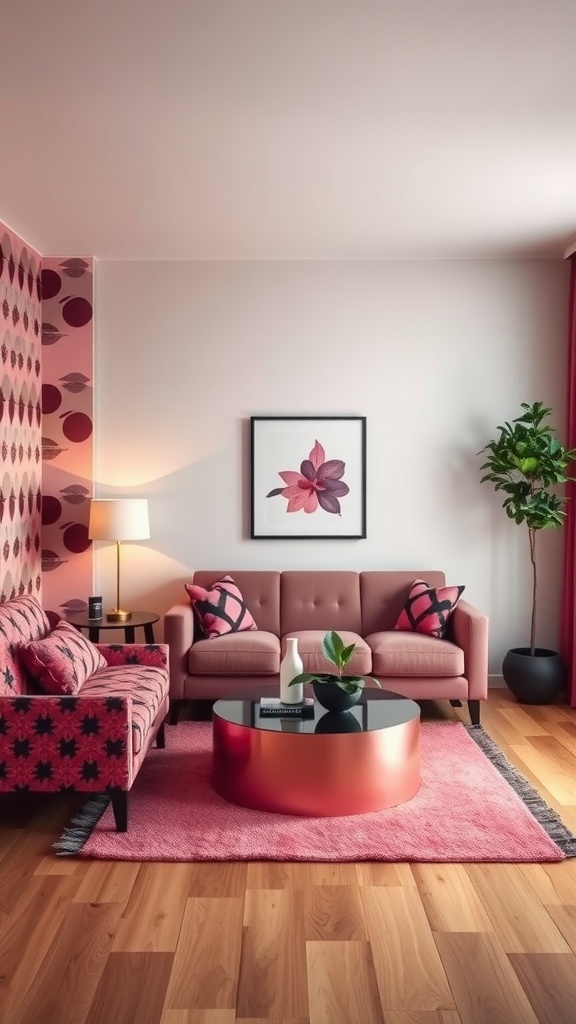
(118,519)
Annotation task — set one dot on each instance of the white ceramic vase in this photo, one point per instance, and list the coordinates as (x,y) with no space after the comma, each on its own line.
(290,667)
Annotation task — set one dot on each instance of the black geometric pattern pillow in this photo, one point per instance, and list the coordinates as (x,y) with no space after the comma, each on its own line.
(221,609)
(428,609)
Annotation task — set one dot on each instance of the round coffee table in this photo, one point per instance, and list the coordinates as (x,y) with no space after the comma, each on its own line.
(331,764)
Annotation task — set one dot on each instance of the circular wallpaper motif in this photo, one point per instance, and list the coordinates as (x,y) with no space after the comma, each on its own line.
(76,311)
(51,284)
(51,398)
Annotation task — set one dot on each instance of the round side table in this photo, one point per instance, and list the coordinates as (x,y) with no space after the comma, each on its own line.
(144,620)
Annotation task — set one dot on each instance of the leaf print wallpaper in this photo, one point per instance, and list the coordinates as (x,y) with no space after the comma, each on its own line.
(20,417)
(67,431)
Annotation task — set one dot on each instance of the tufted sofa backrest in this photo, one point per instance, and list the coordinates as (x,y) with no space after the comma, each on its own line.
(384,594)
(321,599)
(260,590)
(21,620)
(290,601)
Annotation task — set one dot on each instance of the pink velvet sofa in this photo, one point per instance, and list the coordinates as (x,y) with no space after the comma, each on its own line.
(362,606)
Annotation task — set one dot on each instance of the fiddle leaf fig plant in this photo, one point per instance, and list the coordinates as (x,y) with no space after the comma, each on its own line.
(338,655)
(525,461)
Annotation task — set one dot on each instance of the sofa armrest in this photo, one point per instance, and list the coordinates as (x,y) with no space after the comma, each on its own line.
(470,632)
(155,655)
(71,742)
(179,635)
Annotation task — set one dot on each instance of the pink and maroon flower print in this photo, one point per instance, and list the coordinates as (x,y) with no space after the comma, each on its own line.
(318,484)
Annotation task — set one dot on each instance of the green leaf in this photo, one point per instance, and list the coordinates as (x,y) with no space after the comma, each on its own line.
(351,684)
(328,648)
(335,652)
(347,654)
(304,677)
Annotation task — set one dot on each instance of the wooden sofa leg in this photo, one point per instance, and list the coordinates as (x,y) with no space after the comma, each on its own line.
(474,709)
(175,708)
(120,809)
(456,703)
(161,737)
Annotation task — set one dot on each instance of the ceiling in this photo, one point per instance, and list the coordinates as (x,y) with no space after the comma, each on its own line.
(287,129)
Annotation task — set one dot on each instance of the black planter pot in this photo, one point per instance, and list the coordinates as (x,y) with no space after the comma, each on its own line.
(338,721)
(534,679)
(333,697)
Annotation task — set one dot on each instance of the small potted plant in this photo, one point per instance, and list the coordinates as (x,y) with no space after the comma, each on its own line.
(334,690)
(525,461)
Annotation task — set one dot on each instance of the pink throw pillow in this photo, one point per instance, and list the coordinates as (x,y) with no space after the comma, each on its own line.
(21,620)
(221,609)
(63,661)
(428,609)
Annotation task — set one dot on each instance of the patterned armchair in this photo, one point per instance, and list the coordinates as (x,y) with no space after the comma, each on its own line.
(90,740)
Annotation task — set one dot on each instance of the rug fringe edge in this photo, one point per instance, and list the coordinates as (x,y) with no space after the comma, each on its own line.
(545,815)
(80,828)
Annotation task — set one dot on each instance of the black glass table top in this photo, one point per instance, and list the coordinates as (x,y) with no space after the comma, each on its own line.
(377,709)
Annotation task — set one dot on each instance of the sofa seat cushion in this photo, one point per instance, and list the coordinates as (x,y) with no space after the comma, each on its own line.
(252,653)
(147,688)
(312,654)
(414,654)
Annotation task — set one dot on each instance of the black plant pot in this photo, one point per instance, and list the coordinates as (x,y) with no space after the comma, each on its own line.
(333,697)
(338,721)
(534,678)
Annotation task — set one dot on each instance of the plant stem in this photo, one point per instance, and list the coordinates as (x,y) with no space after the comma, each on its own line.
(532,536)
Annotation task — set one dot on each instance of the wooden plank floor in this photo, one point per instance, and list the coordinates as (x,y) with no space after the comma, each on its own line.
(272,943)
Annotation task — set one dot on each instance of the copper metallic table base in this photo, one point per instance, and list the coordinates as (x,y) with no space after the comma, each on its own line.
(313,774)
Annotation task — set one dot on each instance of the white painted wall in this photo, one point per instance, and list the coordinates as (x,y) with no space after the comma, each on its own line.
(434,354)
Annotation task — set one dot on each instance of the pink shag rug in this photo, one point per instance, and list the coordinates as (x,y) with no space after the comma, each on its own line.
(472,806)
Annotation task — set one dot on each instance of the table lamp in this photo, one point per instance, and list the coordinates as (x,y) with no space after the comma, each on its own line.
(118,519)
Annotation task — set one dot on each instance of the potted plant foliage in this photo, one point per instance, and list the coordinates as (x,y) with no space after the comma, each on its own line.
(334,690)
(525,462)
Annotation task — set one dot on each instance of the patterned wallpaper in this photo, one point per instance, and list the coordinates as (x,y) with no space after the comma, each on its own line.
(20,417)
(67,431)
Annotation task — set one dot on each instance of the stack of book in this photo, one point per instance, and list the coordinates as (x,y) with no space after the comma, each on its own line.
(273,707)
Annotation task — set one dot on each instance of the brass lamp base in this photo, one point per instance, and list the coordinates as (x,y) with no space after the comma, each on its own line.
(118,615)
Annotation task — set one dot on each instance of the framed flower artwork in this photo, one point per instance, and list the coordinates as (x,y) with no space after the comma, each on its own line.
(308,477)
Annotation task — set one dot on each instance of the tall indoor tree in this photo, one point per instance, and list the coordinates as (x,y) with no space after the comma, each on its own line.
(527,462)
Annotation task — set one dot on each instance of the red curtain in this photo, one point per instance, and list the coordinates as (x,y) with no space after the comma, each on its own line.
(569,595)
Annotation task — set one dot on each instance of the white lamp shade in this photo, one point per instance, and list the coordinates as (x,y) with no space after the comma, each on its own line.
(119,519)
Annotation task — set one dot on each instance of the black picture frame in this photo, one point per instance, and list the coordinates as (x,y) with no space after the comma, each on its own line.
(289,452)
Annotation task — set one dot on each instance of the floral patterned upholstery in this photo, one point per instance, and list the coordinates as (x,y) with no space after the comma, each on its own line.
(54,743)
(94,741)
